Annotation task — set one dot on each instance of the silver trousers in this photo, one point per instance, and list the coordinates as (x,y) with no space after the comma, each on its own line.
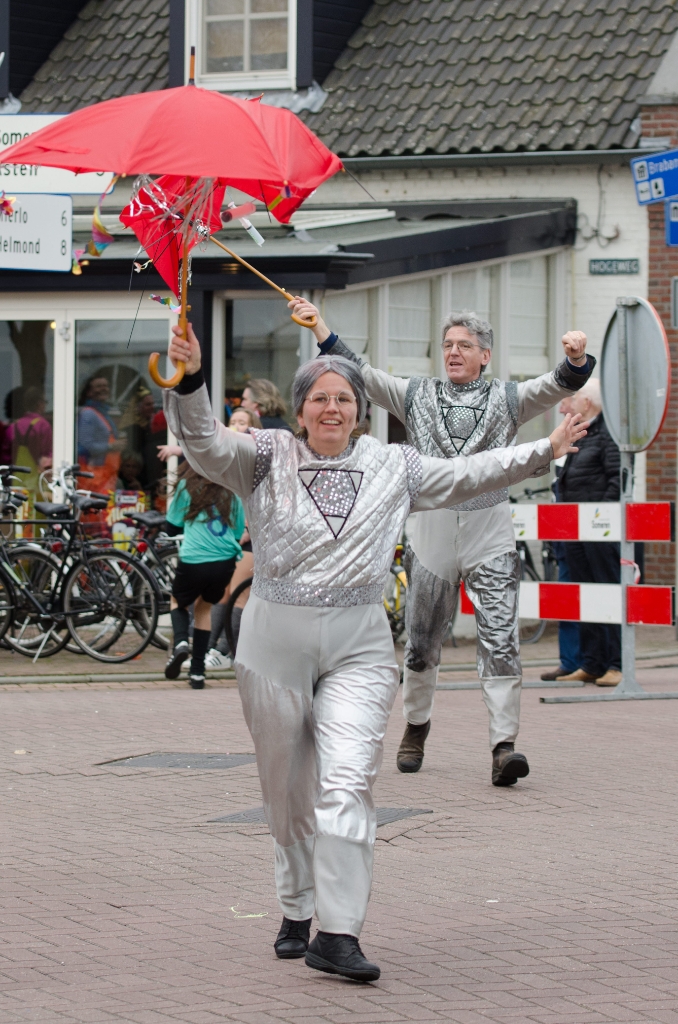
(479,548)
(317,687)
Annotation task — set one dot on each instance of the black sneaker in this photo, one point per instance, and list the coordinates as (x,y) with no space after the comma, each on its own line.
(176,660)
(197,682)
(340,954)
(507,766)
(292,939)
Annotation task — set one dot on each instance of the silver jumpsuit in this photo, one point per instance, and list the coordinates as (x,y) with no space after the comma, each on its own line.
(315,661)
(469,540)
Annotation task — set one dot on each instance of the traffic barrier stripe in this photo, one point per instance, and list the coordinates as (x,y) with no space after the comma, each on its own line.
(591,602)
(593,521)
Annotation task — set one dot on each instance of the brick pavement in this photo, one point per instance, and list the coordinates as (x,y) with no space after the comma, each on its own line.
(554,902)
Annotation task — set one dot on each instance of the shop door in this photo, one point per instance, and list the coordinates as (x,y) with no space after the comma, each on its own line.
(120,426)
(27,403)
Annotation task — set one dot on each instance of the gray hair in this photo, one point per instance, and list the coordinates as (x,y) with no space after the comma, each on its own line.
(308,373)
(473,323)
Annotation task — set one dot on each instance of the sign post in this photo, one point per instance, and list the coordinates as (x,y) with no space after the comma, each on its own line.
(634,377)
(30,178)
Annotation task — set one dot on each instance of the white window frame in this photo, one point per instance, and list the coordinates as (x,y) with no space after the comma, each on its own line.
(239,80)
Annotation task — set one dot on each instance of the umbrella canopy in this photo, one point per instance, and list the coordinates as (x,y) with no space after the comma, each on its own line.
(266,152)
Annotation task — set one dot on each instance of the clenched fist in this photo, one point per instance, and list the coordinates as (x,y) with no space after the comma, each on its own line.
(574,343)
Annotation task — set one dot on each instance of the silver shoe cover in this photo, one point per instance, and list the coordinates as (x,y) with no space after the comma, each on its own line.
(493,590)
(317,687)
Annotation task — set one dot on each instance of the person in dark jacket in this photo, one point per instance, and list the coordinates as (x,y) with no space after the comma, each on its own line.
(262,397)
(592,474)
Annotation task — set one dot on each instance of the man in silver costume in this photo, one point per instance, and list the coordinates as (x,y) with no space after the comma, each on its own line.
(315,663)
(469,540)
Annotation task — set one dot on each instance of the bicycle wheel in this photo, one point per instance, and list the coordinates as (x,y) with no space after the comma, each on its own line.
(395,597)
(530,630)
(7,601)
(164,568)
(111,606)
(230,605)
(38,628)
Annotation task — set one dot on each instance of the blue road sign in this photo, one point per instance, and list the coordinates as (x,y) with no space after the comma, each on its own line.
(671,208)
(655,177)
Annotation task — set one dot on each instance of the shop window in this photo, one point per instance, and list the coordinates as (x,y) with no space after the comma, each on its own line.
(245,42)
(409,329)
(528,316)
(120,422)
(348,316)
(27,397)
(261,341)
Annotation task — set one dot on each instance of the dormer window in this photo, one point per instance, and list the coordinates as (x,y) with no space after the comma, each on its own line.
(244,44)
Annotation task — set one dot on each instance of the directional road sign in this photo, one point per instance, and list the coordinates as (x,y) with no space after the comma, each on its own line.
(655,177)
(634,374)
(37,234)
(671,208)
(16,178)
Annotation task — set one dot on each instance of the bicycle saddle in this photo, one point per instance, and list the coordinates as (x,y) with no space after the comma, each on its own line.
(50,508)
(147,519)
(86,504)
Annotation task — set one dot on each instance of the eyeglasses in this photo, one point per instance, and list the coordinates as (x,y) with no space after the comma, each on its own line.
(462,346)
(320,399)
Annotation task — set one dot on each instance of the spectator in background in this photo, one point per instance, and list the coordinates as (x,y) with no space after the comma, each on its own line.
(28,441)
(568,632)
(592,474)
(243,419)
(263,398)
(99,442)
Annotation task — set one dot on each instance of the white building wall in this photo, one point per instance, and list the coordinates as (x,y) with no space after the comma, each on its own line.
(606,202)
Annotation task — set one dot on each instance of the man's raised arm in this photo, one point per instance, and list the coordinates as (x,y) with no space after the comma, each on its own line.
(383,389)
(542,393)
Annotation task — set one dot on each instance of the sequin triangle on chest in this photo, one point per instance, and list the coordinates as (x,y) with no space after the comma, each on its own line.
(334,492)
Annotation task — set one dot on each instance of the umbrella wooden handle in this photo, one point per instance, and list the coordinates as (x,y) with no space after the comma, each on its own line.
(153,360)
(286,295)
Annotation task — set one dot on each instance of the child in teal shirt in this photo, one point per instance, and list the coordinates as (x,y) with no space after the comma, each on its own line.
(212,520)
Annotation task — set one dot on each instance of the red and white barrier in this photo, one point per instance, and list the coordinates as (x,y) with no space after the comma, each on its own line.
(646,521)
(591,602)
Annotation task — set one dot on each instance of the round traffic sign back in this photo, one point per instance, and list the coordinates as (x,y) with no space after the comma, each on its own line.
(635,373)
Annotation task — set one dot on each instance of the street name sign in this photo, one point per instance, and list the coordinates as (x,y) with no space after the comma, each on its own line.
(671,208)
(22,178)
(630,266)
(37,234)
(655,177)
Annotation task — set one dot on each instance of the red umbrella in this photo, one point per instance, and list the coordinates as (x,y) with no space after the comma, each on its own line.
(205,138)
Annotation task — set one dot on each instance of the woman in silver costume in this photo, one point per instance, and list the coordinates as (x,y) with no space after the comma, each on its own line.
(315,661)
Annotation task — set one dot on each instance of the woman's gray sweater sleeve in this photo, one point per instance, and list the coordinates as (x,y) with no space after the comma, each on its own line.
(448,482)
(222,455)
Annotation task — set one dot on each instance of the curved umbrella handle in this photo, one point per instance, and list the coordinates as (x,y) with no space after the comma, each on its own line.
(304,323)
(153,360)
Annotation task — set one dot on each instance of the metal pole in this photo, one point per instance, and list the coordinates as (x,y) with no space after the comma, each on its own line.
(628,683)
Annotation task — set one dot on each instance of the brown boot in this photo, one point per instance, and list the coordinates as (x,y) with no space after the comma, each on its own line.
(578,676)
(507,765)
(411,751)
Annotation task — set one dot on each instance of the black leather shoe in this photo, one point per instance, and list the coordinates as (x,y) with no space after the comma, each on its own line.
(176,660)
(340,954)
(292,940)
(197,682)
(411,751)
(507,766)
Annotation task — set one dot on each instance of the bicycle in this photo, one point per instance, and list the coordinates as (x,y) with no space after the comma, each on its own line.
(160,554)
(395,594)
(78,588)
